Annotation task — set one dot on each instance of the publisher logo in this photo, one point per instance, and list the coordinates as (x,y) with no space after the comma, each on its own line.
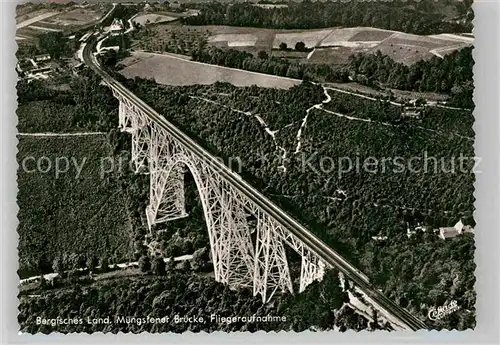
(440,312)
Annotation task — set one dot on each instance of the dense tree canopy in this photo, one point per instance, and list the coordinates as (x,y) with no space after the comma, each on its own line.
(178,294)
(422,17)
(346,211)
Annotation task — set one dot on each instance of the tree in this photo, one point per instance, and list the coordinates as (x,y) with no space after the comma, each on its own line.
(185,266)
(199,260)
(92,262)
(170,266)
(145,264)
(263,55)
(53,43)
(300,46)
(58,265)
(42,285)
(43,264)
(104,264)
(159,266)
(283,46)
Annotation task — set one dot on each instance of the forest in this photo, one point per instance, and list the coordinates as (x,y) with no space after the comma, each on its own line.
(62,218)
(56,44)
(180,292)
(345,211)
(443,120)
(85,106)
(451,75)
(417,17)
(418,273)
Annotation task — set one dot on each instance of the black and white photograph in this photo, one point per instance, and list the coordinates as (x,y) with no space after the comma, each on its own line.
(243,166)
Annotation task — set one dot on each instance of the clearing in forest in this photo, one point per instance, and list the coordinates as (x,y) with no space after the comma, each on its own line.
(169,69)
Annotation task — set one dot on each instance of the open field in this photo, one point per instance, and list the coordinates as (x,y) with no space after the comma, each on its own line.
(258,38)
(75,213)
(335,45)
(77,17)
(32,24)
(152,18)
(371,35)
(331,45)
(43,28)
(235,40)
(311,38)
(409,48)
(333,55)
(33,19)
(402,47)
(171,70)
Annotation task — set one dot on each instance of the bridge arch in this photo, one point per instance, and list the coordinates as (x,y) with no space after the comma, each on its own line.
(228,231)
(236,261)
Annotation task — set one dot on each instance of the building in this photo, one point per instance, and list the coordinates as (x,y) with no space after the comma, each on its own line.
(379,238)
(448,232)
(412,112)
(458,229)
(42,57)
(116,26)
(115,48)
(418,228)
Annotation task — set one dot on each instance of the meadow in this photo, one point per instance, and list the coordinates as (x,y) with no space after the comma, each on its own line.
(37,20)
(173,70)
(329,45)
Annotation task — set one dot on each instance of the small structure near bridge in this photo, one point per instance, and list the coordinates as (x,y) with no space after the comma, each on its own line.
(116,27)
(450,232)
(412,112)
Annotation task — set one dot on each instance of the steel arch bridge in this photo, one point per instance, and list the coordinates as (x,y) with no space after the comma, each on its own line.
(237,260)
(160,148)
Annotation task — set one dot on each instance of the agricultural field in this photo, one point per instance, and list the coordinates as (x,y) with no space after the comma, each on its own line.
(402,47)
(168,69)
(332,45)
(234,40)
(76,17)
(34,17)
(311,38)
(77,213)
(153,18)
(30,24)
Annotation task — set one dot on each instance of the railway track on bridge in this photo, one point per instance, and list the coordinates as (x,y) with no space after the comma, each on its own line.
(394,312)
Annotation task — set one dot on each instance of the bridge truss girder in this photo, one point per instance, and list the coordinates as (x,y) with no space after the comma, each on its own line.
(241,256)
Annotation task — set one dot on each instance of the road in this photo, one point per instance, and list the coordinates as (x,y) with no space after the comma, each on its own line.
(77,134)
(50,276)
(35,19)
(327,254)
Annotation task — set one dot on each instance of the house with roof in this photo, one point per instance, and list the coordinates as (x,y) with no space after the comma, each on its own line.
(42,57)
(116,27)
(458,229)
